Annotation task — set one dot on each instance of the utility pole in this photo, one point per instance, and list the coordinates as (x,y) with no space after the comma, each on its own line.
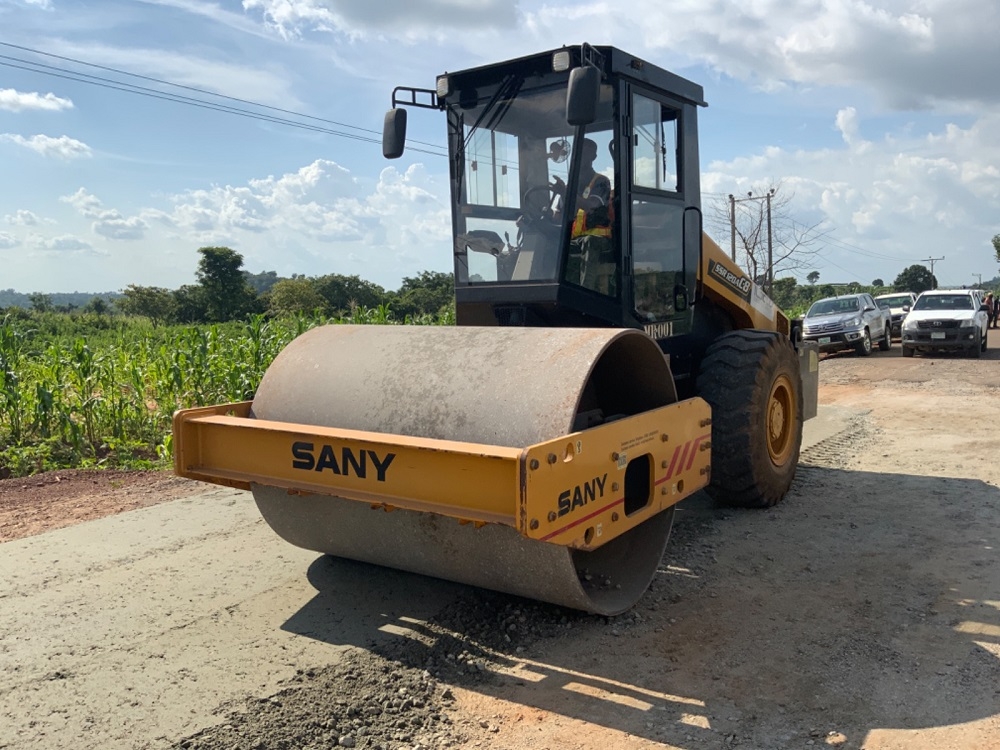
(732,227)
(769,273)
(770,247)
(932,261)
(979,278)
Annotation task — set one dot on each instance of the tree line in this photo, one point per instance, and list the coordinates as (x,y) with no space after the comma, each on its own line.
(224,291)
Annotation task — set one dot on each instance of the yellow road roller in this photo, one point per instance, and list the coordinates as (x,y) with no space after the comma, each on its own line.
(608,360)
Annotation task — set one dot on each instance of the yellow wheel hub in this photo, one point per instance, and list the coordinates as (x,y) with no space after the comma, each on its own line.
(780,420)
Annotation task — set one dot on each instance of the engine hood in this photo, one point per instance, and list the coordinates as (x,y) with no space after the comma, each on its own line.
(918,315)
(825,320)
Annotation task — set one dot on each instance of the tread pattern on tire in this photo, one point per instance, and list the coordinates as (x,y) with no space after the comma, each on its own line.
(885,343)
(735,379)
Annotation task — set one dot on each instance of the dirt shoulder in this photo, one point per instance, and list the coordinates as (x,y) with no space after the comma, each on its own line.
(56,499)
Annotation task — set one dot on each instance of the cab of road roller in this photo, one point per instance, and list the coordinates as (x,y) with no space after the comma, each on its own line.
(574,188)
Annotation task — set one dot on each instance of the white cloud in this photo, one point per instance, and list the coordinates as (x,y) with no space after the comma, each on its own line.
(320,218)
(912,55)
(399,17)
(926,194)
(21,218)
(65,243)
(62,147)
(12,100)
(306,200)
(108,223)
(847,124)
(114,226)
(87,204)
(8,241)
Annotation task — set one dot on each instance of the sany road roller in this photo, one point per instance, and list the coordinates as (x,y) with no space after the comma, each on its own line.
(609,359)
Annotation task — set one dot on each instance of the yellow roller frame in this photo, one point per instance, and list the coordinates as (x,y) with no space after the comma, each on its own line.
(569,491)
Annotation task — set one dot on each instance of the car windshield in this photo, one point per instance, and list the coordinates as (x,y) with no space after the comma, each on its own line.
(898,301)
(944,302)
(832,306)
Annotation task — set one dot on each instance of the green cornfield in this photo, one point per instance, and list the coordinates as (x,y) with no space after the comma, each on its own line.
(91,391)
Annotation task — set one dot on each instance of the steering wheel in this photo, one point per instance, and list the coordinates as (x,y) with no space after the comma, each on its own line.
(537,204)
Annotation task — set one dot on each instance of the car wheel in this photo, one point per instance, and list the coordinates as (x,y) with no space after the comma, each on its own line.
(977,346)
(864,347)
(907,351)
(886,343)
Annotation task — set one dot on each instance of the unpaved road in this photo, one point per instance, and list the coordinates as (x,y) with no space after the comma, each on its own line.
(862,612)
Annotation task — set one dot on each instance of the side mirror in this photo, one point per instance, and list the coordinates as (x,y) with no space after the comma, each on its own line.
(394,133)
(680,298)
(906,308)
(582,94)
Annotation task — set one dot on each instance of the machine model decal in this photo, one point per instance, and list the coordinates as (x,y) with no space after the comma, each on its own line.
(734,280)
(307,458)
(579,496)
(659,330)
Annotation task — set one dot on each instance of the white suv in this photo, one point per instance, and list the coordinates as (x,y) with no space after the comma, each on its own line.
(946,319)
(899,303)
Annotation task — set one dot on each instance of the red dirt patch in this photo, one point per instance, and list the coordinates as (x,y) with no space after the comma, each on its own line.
(55,499)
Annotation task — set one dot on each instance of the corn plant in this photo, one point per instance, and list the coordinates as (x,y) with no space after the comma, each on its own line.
(77,392)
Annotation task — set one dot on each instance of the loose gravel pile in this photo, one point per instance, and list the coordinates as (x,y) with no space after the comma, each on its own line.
(397,694)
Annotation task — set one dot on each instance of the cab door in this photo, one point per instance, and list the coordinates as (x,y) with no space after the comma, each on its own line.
(665,233)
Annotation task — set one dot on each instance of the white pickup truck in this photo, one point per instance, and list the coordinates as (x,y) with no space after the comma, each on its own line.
(946,319)
(899,303)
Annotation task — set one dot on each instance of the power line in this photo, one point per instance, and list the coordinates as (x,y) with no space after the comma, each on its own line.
(110,83)
(180,86)
(165,96)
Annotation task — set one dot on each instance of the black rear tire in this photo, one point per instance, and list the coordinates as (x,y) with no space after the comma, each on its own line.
(907,351)
(885,343)
(864,346)
(751,380)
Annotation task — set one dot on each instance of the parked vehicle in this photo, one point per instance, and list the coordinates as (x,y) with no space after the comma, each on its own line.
(953,319)
(899,304)
(848,321)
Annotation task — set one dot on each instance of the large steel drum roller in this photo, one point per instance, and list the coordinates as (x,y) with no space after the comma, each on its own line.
(497,386)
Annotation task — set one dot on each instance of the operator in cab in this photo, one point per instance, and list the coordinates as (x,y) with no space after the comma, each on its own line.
(591,261)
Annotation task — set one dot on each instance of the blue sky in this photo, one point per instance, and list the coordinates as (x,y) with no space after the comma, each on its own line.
(879,122)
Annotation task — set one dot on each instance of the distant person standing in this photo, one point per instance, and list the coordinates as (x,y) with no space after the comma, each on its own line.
(991,314)
(995,308)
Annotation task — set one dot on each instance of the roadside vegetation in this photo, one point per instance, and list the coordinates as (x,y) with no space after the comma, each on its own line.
(97,386)
(81,390)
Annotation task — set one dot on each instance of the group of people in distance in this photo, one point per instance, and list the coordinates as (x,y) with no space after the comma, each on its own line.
(992,308)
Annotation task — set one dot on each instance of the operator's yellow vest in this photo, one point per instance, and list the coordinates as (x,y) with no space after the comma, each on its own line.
(580,227)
